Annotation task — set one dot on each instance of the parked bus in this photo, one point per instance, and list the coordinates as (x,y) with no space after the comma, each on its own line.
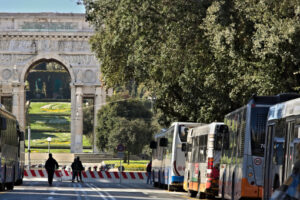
(241,172)
(11,151)
(282,136)
(203,149)
(168,159)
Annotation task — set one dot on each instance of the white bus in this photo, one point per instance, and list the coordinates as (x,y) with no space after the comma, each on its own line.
(168,159)
(241,171)
(11,151)
(282,136)
(204,146)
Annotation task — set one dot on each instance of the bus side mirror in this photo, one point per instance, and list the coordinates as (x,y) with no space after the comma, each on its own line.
(21,136)
(153,145)
(3,123)
(183,147)
(163,142)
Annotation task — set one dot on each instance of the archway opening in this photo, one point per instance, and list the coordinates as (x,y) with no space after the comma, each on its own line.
(48,106)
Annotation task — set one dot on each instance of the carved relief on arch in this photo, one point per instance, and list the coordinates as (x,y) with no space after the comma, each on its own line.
(90,76)
(6,74)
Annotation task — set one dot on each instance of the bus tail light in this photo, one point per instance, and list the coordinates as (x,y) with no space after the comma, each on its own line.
(209,175)
(210,163)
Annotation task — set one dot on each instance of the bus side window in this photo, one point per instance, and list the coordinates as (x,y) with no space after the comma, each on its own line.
(3,123)
(278,154)
(225,139)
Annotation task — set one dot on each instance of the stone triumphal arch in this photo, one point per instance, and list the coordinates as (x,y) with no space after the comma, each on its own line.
(28,38)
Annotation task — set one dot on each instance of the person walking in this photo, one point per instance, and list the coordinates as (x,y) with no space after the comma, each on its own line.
(77,168)
(74,172)
(149,171)
(290,189)
(51,165)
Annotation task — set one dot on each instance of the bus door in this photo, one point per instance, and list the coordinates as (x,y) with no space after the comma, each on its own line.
(268,162)
(289,151)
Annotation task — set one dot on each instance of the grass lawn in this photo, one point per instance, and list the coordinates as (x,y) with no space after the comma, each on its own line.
(50,107)
(46,122)
(57,139)
(134,165)
(57,150)
(51,119)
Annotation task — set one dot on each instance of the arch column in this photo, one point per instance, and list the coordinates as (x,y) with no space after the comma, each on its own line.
(16,100)
(100,96)
(18,103)
(76,119)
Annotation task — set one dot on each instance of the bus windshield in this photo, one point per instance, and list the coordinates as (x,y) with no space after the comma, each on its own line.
(258,127)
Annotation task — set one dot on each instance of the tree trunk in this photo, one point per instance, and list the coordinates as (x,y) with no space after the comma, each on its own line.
(128,157)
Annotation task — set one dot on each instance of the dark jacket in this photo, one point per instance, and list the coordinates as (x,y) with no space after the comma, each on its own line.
(149,167)
(51,164)
(77,165)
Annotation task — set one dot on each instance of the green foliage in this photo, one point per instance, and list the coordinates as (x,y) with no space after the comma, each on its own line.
(51,119)
(124,122)
(200,59)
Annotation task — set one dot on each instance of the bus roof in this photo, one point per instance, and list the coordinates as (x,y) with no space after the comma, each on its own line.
(285,109)
(205,129)
(269,100)
(188,124)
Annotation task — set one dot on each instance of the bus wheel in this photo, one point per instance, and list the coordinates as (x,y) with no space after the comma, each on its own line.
(192,193)
(171,188)
(10,186)
(2,187)
(202,195)
(19,182)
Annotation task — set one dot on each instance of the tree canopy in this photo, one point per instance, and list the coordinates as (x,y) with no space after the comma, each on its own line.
(201,59)
(124,122)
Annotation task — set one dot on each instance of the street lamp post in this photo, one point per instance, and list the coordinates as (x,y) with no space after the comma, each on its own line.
(49,140)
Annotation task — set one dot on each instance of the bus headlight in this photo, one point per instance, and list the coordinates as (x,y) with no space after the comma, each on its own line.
(250,174)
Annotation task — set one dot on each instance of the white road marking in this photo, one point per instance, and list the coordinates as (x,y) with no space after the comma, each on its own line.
(107,194)
(101,195)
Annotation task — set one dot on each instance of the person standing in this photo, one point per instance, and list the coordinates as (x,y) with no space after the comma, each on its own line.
(51,165)
(75,174)
(149,171)
(77,168)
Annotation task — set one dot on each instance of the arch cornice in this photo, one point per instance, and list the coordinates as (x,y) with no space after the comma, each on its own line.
(47,56)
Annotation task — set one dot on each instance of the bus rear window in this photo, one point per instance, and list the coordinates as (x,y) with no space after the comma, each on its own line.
(258,127)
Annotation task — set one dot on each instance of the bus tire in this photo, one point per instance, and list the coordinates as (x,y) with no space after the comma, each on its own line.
(19,182)
(232,188)
(171,188)
(276,183)
(202,195)
(10,186)
(192,193)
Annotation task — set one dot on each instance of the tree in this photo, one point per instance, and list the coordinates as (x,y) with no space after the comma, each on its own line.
(201,59)
(126,122)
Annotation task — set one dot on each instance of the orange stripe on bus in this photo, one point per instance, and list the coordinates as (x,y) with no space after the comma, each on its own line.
(249,190)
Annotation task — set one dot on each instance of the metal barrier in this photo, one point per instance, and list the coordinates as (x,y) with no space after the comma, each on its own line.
(89,176)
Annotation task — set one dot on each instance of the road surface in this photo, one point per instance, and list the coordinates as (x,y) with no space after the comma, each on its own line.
(39,190)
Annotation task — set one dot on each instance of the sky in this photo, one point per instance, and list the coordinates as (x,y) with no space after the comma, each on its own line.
(60,6)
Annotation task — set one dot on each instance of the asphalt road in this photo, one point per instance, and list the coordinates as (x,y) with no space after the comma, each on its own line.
(39,190)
